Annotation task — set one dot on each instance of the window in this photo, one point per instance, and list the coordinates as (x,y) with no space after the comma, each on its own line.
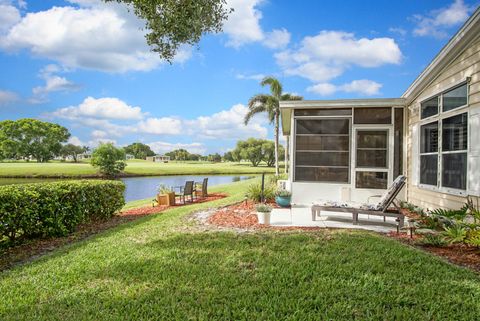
(324,112)
(454,151)
(429,154)
(322,150)
(455,98)
(373,115)
(429,108)
(444,142)
(371,153)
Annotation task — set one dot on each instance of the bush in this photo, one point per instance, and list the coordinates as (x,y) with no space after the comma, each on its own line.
(283,193)
(55,209)
(455,234)
(254,192)
(263,208)
(109,159)
(433,240)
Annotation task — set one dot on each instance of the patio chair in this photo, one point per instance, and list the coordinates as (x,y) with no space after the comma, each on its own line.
(185,191)
(202,188)
(382,208)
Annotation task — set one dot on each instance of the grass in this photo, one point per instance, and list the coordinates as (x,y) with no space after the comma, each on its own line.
(160,268)
(136,167)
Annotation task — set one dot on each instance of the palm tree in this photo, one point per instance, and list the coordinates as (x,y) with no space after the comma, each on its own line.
(270,104)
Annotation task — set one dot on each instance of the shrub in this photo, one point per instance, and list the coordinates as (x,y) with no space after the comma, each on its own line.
(263,208)
(254,192)
(473,238)
(109,159)
(55,209)
(455,234)
(283,193)
(433,240)
(164,189)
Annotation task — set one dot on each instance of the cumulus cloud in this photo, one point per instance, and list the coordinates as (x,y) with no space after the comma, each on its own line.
(7,97)
(91,35)
(53,83)
(243,26)
(437,22)
(75,141)
(9,16)
(164,147)
(257,77)
(106,108)
(327,55)
(160,126)
(363,87)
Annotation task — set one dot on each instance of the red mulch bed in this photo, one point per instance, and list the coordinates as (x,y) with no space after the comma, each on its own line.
(243,215)
(31,249)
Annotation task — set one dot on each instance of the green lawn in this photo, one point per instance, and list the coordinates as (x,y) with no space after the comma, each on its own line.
(160,268)
(136,167)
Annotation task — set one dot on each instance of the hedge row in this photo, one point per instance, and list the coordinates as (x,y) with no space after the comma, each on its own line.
(55,209)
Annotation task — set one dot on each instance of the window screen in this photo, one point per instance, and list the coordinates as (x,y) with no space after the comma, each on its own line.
(429,154)
(377,180)
(454,151)
(372,148)
(373,115)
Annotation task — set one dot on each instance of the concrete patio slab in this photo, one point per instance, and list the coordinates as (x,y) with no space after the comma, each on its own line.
(301,216)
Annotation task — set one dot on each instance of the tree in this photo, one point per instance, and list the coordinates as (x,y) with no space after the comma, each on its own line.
(72,150)
(251,150)
(216,158)
(269,152)
(228,157)
(171,24)
(179,154)
(25,138)
(139,150)
(270,104)
(109,159)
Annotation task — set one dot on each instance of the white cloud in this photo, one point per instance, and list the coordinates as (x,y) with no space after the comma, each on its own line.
(53,83)
(99,36)
(75,141)
(106,108)
(277,39)
(437,22)
(243,26)
(7,97)
(9,16)
(164,147)
(327,55)
(160,126)
(402,32)
(363,87)
(99,134)
(257,77)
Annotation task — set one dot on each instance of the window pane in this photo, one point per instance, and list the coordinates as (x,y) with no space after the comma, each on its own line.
(373,115)
(455,98)
(429,138)
(372,139)
(322,143)
(398,143)
(372,158)
(428,169)
(323,126)
(371,180)
(454,133)
(322,158)
(324,112)
(321,174)
(454,173)
(429,107)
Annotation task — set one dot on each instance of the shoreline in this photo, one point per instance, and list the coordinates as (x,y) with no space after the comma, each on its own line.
(124,175)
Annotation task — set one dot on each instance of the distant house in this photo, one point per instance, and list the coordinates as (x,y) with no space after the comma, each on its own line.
(159,158)
(353,149)
(129,157)
(84,156)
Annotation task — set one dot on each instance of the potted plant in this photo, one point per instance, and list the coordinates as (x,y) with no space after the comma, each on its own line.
(165,196)
(263,213)
(283,198)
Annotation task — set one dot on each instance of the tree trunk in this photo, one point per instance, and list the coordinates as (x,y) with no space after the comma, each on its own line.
(276,142)
(287,147)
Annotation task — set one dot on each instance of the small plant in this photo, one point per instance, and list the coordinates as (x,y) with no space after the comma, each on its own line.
(433,240)
(254,192)
(283,193)
(458,215)
(263,208)
(164,189)
(473,238)
(455,234)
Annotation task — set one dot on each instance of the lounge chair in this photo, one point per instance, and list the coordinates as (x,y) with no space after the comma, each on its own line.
(202,189)
(382,208)
(185,191)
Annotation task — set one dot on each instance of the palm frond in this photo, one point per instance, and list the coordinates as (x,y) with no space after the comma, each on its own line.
(275,86)
(290,97)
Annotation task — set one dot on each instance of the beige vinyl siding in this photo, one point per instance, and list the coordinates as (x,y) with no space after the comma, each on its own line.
(465,65)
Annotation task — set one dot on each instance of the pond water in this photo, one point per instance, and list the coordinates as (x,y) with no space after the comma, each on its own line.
(138,188)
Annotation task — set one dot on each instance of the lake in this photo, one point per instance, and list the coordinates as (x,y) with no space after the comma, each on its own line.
(138,188)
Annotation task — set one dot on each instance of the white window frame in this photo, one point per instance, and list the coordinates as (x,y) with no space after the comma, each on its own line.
(439,118)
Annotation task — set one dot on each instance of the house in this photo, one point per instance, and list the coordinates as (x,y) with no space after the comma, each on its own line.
(129,157)
(349,150)
(159,158)
(84,156)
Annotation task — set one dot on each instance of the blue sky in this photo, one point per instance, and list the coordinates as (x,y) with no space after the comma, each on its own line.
(85,64)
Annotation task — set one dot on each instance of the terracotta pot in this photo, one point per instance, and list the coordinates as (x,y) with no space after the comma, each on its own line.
(166,199)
